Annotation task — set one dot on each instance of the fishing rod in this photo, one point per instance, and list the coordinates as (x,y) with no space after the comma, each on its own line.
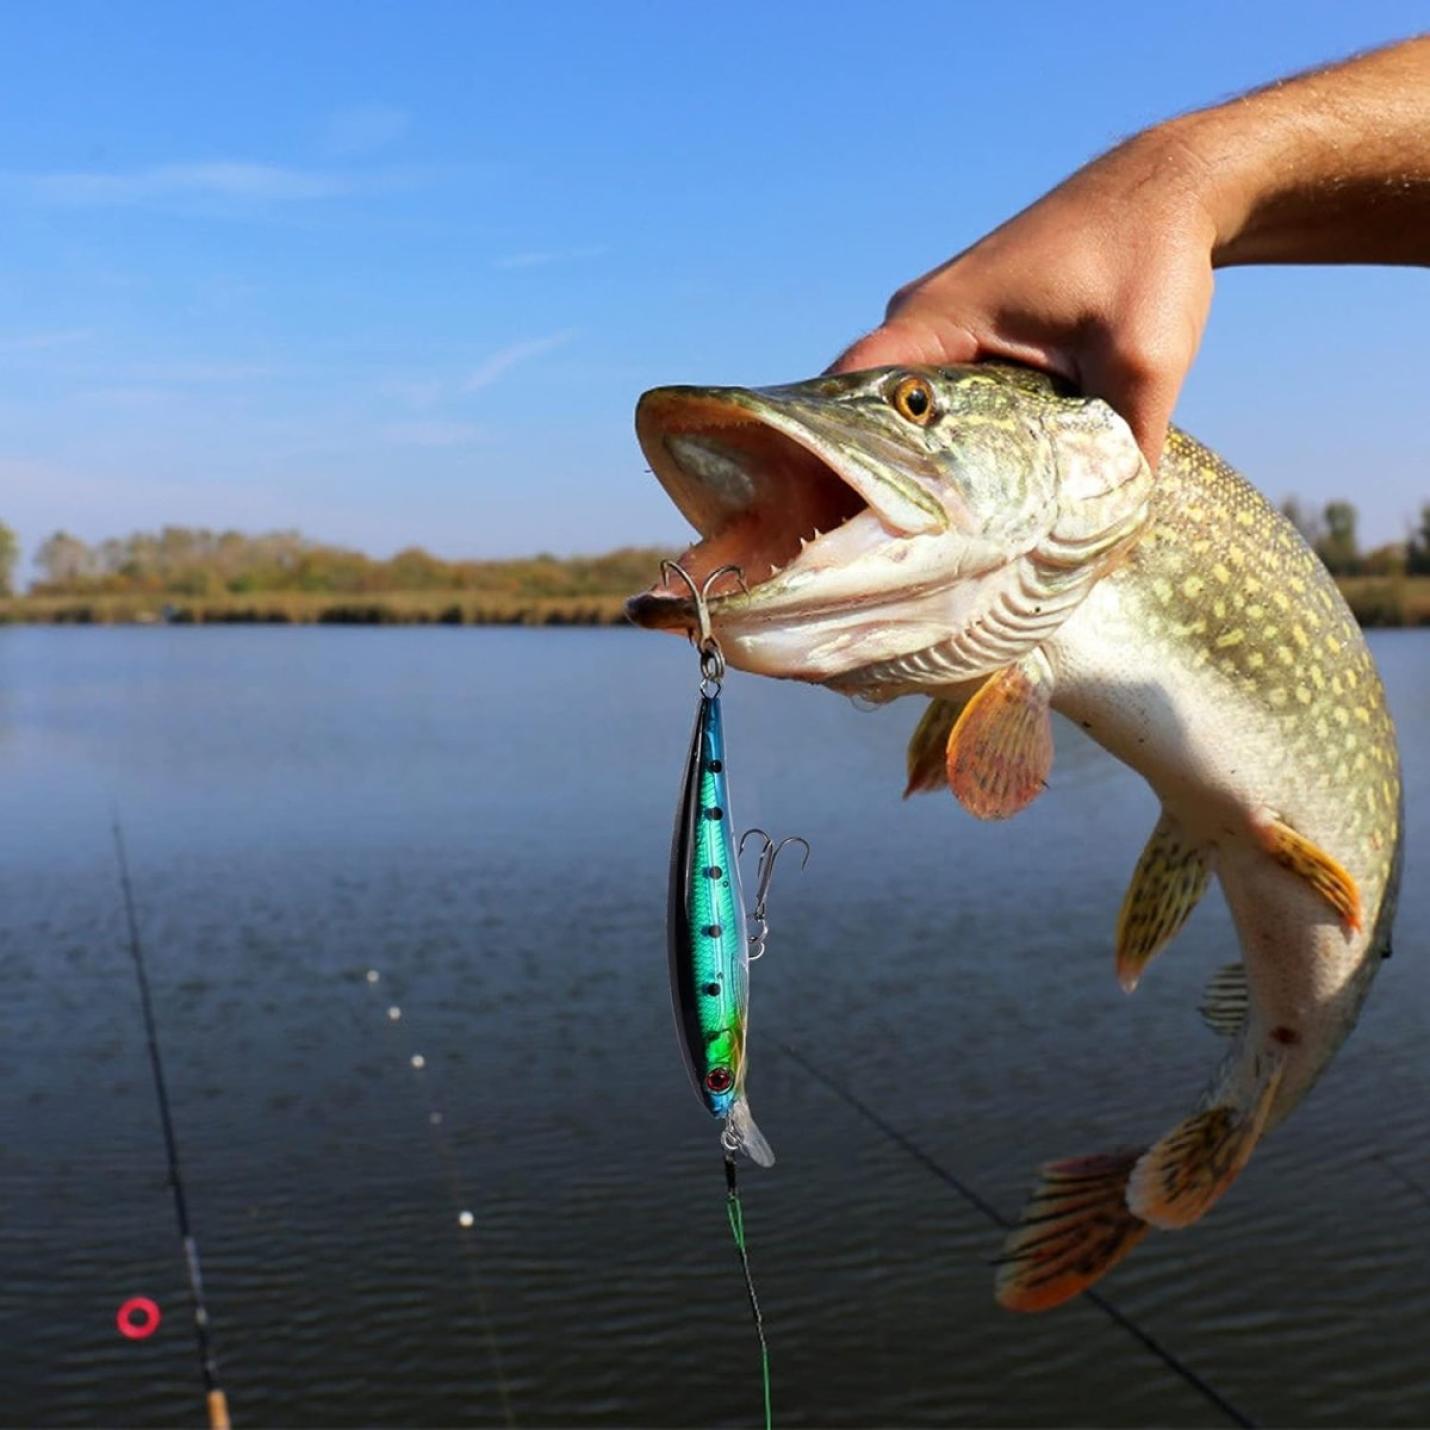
(208,1364)
(1109,1308)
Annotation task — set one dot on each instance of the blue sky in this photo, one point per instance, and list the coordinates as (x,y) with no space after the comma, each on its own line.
(396,273)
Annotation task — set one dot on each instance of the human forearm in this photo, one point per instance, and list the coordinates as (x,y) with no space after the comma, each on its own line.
(1107,280)
(1327,167)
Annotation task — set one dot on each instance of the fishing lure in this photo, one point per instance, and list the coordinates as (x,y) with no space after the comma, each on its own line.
(711,946)
(710,943)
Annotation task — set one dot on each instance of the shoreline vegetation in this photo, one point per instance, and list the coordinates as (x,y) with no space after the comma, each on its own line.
(1376,601)
(192,576)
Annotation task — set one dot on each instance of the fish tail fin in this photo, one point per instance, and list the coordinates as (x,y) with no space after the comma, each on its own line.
(741,1130)
(1074,1230)
(1186,1172)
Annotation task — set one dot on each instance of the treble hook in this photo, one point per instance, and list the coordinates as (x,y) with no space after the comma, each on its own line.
(764,873)
(712,659)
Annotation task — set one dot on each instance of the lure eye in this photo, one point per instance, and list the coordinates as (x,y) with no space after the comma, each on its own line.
(913,399)
(719,1080)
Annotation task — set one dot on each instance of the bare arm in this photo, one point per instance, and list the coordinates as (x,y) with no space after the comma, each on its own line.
(1108,278)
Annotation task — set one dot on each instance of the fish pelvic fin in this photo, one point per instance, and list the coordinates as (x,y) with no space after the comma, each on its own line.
(1000,750)
(741,1129)
(925,759)
(1325,875)
(1170,878)
(1226,999)
(1184,1174)
(1074,1230)
(927,756)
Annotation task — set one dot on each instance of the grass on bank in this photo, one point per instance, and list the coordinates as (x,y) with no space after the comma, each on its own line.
(395,608)
(1375,600)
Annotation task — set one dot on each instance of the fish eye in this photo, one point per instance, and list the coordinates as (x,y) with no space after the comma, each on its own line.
(913,398)
(719,1080)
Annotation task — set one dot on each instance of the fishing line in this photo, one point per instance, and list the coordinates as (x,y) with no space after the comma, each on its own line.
(208,1362)
(1403,1177)
(1107,1307)
(736,1213)
(461,1208)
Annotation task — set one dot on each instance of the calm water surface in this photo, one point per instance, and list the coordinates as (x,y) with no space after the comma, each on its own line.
(483,817)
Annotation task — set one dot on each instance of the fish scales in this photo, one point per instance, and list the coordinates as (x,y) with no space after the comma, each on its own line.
(1223,611)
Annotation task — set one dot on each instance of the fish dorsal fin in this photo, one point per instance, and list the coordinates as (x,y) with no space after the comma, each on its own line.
(1224,1004)
(1325,875)
(1075,1229)
(1170,877)
(1000,750)
(1184,1174)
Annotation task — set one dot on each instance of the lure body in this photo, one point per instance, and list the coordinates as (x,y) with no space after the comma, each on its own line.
(709,953)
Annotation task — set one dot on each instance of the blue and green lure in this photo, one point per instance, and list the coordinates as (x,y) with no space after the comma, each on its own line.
(709,948)
(711,943)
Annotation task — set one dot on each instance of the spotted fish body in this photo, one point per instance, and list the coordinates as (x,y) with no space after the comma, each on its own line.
(1013,555)
(709,954)
(1222,662)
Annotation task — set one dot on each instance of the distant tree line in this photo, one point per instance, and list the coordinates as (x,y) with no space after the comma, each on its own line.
(189,561)
(1331,534)
(9,559)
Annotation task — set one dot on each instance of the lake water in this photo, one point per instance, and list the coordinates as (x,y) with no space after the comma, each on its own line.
(483,817)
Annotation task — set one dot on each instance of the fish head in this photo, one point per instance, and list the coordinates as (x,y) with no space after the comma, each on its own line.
(875,515)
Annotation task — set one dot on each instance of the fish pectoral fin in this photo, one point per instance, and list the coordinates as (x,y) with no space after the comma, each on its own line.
(1000,750)
(1171,876)
(1224,1003)
(1074,1230)
(1181,1177)
(1324,874)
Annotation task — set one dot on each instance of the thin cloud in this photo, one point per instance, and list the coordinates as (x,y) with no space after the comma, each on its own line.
(42,342)
(544,258)
(362,129)
(504,359)
(431,434)
(237,180)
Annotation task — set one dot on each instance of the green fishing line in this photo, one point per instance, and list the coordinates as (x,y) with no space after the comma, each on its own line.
(736,1213)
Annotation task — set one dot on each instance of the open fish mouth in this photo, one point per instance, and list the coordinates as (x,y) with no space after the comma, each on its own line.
(768,492)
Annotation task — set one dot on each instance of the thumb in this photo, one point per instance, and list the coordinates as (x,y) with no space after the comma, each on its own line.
(909,340)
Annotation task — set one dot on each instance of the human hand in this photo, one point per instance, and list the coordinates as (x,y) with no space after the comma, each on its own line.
(1107,281)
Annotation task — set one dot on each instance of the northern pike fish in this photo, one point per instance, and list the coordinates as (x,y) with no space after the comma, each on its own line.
(984,536)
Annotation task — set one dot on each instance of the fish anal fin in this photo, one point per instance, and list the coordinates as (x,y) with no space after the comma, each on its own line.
(1184,1174)
(1000,750)
(1224,1003)
(1075,1229)
(1171,876)
(1325,875)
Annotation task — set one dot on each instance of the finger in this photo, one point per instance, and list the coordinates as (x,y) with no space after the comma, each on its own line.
(1142,392)
(906,339)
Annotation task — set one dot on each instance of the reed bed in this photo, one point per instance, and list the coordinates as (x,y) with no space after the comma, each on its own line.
(1377,601)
